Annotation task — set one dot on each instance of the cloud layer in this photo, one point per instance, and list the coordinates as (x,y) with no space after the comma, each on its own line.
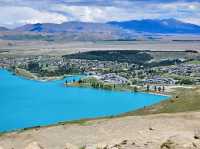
(19,12)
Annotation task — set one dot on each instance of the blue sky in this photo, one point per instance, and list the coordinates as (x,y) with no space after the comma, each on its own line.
(19,12)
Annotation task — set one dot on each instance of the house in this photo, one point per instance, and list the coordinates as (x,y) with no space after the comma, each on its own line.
(160,80)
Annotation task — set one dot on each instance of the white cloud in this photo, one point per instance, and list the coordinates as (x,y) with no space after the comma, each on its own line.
(102,13)
(12,16)
(19,12)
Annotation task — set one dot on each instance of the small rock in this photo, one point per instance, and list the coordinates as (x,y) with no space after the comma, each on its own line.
(197,134)
(34,145)
(117,146)
(194,144)
(169,144)
(124,142)
(106,147)
(150,128)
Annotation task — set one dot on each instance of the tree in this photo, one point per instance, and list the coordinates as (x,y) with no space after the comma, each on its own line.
(134,81)
(186,81)
(33,66)
(155,88)
(80,81)
(163,88)
(135,89)
(159,89)
(148,88)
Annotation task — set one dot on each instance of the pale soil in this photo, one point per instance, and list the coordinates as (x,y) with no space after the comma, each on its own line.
(172,88)
(136,132)
(52,48)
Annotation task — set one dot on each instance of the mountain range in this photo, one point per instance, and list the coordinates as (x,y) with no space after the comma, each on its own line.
(100,31)
(3,29)
(171,26)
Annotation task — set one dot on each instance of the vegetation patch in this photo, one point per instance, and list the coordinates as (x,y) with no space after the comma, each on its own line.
(183,100)
(136,57)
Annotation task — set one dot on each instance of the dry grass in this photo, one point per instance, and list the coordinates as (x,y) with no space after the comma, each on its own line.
(183,100)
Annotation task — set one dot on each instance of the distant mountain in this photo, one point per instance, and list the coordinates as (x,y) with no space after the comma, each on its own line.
(68,27)
(77,30)
(164,26)
(158,26)
(3,29)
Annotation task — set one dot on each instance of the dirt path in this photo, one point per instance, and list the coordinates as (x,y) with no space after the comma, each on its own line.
(137,132)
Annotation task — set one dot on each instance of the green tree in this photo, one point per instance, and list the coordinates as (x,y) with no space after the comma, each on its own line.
(148,88)
(135,89)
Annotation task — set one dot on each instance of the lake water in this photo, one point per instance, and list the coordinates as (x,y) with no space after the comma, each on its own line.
(28,103)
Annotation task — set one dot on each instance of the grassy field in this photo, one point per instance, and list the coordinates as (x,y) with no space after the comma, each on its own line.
(182,100)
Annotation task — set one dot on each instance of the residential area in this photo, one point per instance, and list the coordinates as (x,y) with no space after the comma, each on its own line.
(108,72)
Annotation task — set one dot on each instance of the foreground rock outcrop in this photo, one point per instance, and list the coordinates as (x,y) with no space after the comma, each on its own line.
(180,142)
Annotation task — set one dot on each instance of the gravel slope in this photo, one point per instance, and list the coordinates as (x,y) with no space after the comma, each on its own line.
(162,131)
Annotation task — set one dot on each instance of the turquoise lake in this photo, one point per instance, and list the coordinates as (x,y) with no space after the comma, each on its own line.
(27,103)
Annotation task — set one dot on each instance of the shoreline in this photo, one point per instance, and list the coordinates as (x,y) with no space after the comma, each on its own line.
(168,94)
(31,76)
(78,120)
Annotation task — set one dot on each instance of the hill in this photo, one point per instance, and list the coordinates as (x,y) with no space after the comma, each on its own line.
(3,29)
(87,31)
(158,26)
(164,26)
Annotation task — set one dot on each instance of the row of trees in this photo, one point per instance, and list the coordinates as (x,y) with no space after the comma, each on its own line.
(156,88)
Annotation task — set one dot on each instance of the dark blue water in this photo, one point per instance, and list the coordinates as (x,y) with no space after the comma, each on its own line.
(28,103)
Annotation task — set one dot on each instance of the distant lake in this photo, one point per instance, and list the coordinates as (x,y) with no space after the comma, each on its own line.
(28,103)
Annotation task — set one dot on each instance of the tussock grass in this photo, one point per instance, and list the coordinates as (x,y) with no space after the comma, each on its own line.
(183,100)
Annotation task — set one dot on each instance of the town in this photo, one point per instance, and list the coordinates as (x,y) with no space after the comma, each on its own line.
(113,73)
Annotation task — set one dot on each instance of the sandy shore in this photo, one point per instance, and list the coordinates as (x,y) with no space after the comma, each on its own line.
(136,132)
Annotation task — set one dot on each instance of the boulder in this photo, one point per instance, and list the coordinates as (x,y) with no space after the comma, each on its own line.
(169,144)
